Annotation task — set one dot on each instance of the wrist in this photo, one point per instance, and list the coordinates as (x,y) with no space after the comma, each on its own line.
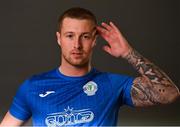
(127,54)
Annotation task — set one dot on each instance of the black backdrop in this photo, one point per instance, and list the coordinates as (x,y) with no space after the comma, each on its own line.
(28,45)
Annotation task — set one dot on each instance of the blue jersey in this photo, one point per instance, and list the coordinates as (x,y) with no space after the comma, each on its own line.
(53,99)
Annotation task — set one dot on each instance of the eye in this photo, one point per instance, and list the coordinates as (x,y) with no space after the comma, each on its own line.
(86,36)
(69,36)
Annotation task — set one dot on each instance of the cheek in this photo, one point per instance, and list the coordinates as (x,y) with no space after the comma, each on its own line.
(89,46)
(65,48)
(88,49)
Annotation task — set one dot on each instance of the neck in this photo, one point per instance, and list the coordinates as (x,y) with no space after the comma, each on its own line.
(70,70)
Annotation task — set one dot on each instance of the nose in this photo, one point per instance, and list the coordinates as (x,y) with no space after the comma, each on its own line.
(77,43)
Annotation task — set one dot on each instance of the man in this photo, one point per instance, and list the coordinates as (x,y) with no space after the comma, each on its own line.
(77,94)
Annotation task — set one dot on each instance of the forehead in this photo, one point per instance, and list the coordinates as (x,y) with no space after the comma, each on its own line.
(77,25)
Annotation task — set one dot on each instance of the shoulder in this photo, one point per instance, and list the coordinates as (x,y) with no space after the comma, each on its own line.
(114,77)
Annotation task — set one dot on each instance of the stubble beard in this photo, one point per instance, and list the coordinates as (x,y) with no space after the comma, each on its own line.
(79,62)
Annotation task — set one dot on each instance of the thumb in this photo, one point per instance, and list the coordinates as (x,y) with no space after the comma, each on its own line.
(107,49)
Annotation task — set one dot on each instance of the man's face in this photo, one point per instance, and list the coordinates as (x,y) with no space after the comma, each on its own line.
(77,39)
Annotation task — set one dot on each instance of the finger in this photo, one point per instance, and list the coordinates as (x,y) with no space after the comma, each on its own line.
(108,27)
(102,30)
(104,35)
(107,49)
(114,26)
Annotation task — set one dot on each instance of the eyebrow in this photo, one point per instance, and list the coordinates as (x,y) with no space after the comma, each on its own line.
(70,32)
(73,33)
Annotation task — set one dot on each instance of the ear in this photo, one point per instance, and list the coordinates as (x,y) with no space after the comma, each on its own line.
(58,36)
(94,41)
(95,34)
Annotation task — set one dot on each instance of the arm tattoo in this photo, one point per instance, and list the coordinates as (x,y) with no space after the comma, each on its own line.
(154,86)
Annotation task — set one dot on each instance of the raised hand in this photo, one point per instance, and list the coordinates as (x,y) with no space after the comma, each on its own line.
(117,44)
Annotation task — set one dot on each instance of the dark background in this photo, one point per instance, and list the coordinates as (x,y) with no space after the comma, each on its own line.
(28,45)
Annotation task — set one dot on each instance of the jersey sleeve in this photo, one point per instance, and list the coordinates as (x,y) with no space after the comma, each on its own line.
(121,85)
(19,108)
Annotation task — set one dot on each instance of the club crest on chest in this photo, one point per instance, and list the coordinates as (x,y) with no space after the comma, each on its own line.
(90,88)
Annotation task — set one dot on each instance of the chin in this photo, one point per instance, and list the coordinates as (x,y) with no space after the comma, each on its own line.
(79,63)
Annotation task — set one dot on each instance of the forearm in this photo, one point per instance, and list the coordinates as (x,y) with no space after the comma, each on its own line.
(154,86)
(10,121)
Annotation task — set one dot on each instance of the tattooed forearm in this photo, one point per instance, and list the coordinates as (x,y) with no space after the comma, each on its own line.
(154,86)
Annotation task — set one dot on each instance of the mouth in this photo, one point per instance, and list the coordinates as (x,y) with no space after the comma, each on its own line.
(77,54)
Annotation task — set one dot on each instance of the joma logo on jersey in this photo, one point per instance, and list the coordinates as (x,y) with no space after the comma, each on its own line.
(46,94)
(69,117)
(90,88)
